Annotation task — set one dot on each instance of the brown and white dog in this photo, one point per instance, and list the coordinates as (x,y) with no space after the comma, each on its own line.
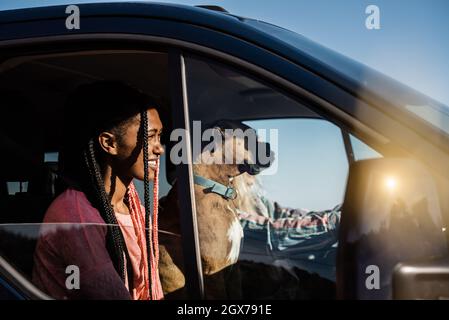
(221,190)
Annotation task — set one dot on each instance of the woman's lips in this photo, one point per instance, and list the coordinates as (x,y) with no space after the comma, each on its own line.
(152,164)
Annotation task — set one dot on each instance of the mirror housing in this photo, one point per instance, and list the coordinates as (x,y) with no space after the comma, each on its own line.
(391,214)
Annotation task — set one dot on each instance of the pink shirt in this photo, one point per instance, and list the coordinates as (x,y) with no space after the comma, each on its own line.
(135,254)
(83,246)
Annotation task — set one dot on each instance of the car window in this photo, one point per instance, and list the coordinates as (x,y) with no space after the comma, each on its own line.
(309,151)
(33,93)
(362,151)
(277,237)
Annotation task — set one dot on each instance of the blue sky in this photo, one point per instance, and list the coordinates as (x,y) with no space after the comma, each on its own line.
(412,46)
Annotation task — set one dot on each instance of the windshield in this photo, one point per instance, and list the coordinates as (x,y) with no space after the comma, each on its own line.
(366,78)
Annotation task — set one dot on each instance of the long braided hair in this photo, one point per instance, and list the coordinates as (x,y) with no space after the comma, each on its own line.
(97,193)
(91,109)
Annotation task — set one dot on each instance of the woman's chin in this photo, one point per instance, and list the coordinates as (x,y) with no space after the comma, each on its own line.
(151,173)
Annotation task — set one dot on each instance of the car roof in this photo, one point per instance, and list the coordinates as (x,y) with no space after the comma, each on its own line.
(195,15)
(348,74)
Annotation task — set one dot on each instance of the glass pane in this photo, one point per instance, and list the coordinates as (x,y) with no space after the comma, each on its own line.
(260,159)
(309,151)
(362,150)
(41,87)
(394,220)
(51,156)
(67,261)
(16,186)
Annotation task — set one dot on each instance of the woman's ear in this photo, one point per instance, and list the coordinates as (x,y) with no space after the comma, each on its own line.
(108,143)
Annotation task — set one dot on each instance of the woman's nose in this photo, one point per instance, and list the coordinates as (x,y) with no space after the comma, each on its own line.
(158,149)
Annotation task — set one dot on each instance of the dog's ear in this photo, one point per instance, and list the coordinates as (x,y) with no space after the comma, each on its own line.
(218,139)
(211,146)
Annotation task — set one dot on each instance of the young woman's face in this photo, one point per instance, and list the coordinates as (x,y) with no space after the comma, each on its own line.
(128,158)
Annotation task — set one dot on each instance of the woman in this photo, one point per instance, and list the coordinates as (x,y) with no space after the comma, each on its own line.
(112,137)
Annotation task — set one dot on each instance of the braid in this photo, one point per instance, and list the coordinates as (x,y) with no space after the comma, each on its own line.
(115,241)
(148,215)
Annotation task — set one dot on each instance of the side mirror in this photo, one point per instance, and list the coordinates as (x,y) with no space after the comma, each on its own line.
(391,217)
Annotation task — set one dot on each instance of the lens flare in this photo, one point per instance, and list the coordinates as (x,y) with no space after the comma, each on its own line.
(391,183)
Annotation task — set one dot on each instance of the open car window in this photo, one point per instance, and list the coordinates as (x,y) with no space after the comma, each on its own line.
(34,91)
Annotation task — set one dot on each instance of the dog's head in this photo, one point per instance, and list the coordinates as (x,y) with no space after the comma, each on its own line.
(233,143)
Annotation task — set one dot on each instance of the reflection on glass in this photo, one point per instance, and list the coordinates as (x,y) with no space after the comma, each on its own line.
(259,244)
(394,215)
(66,260)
